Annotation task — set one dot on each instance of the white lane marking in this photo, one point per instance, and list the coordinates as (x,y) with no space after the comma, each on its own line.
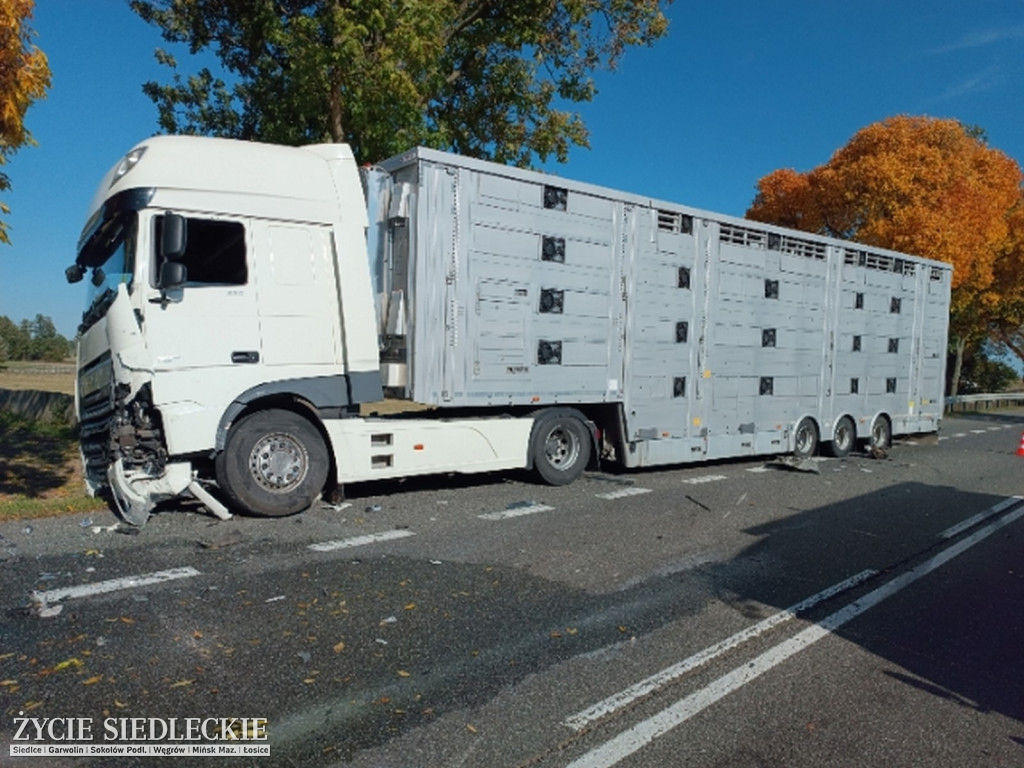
(970,522)
(626,743)
(623,492)
(704,479)
(978,431)
(529,509)
(617,701)
(112,585)
(762,468)
(358,541)
(960,434)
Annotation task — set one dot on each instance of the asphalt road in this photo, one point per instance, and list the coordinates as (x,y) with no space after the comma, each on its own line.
(736,614)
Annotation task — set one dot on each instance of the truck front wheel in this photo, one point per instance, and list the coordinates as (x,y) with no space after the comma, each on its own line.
(560,447)
(274,463)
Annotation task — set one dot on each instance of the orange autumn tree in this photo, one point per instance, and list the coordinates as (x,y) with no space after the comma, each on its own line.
(926,186)
(24,78)
(1006,325)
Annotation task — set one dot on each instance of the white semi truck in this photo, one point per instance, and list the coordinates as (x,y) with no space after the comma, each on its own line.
(268,323)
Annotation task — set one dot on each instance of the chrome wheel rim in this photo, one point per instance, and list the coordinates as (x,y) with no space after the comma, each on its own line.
(278,462)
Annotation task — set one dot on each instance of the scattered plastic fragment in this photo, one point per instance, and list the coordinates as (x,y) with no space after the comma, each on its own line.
(373,508)
(274,599)
(85,522)
(520,504)
(27,530)
(306,656)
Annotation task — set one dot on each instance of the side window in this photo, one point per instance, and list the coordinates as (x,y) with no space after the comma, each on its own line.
(215,251)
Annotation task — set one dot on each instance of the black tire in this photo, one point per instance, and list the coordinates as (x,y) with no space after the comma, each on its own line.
(560,447)
(805,439)
(881,434)
(844,438)
(274,464)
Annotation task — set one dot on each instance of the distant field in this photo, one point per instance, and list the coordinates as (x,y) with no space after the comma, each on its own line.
(45,377)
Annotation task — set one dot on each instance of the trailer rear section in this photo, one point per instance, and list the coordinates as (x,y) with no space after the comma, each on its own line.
(643,331)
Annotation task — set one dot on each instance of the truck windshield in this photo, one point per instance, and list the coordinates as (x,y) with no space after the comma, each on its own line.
(110,254)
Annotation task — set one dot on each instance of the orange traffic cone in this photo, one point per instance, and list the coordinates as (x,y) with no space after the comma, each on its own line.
(1020,450)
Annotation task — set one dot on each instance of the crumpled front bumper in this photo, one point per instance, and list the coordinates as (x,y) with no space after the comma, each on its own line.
(136,493)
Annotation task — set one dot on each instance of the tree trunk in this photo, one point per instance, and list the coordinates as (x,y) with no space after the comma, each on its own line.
(337,125)
(958,364)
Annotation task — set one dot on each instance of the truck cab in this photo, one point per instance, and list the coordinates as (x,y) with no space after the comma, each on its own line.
(219,278)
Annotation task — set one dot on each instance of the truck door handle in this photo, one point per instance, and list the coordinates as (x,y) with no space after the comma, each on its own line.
(245,357)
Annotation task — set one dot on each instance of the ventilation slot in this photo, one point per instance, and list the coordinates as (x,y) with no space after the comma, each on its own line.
(675,222)
(553,249)
(552,301)
(555,198)
(549,352)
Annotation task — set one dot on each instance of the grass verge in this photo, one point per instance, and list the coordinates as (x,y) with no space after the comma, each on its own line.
(40,472)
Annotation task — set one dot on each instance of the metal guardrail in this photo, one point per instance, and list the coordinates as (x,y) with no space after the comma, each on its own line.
(984,402)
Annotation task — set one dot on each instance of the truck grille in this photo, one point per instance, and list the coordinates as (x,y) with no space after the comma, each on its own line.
(95,413)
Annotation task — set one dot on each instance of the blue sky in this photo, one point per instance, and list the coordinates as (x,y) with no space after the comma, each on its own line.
(738,89)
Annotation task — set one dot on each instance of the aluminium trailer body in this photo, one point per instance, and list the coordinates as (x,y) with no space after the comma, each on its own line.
(682,335)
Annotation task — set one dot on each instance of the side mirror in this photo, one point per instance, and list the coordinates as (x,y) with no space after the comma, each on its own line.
(74,273)
(174,237)
(173,274)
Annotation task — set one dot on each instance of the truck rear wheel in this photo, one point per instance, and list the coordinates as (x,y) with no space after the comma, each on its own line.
(274,464)
(881,434)
(844,436)
(805,439)
(560,447)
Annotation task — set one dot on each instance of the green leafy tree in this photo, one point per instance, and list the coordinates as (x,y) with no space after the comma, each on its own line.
(36,339)
(24,78)
(488,78)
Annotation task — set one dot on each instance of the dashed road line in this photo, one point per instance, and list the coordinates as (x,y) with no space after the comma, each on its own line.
(359,541)
(623,492)
(516,511)
(701,479)
(112,585)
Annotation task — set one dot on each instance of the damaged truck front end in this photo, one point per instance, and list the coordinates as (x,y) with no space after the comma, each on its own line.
(121,434)
(124,451)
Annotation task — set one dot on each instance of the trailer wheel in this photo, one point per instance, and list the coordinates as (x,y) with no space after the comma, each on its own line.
(881,434)
(274,463)
(805,439)
(560,447)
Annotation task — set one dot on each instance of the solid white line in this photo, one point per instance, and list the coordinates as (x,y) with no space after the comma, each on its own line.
(644,732)
(704,479)
(358,541)
(970,522)
(504,514)
(623,492)
(619,700)
(112,585)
